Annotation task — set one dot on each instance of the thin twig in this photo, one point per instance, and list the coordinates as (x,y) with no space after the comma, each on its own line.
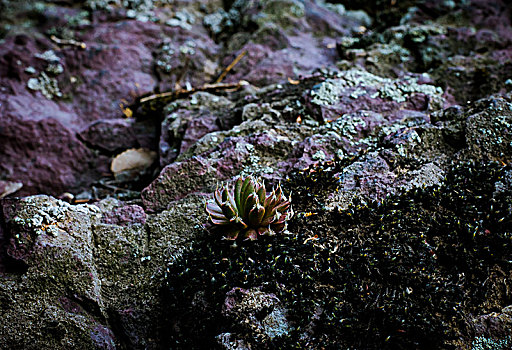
(58,41)
(231,65)
(185,92)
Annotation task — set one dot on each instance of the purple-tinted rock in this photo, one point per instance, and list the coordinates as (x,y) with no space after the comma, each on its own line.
(189,120)
(197,128)
(124,216)
(186,57)
(46,156)
(40,148)
(103,338)
(371,176)
(494,325)
(115,67)
(277,50)
(115,135)
(466,55)
(84,86)
(318,149)
(355,90)
(176,181)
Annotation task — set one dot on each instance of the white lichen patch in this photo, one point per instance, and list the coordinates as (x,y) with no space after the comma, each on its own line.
(356,83)
(49,56)
(46,215)
(347,126)
(255,165)
(275,324)
(484,343)
(49,87)
(319,155)
(183,19)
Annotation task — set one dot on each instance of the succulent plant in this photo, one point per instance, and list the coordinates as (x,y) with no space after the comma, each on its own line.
(248,211)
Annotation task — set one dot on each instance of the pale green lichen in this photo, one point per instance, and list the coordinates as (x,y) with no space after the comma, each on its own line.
(319,155)
(49,56)
(55,68)
(277,9)
(275,324)
(358,82)
(30,70)
(45,215)
(183,19)
(483,343)
(49,87)
(168,55)
(255,165)
(141,10)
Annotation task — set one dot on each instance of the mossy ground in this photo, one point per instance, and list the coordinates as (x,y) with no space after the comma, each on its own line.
(406,273)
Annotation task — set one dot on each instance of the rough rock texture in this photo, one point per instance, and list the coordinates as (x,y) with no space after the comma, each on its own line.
(261,313)
(390,125)
(85,270)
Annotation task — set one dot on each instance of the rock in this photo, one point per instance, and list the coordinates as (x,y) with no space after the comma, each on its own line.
(491,330)
(114,135)
(85,84)
(354,90)
(260,314)
(189,120)
(177,180)
(186,58)
(275,51)
(124,216)
(249,148)
(59,271)
(88,267)
(47,157)
(495,143)
(466,55)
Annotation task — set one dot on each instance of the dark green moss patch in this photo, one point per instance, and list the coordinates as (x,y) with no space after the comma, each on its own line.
(406,273)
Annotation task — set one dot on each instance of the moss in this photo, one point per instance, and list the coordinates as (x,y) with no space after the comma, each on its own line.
(389,275)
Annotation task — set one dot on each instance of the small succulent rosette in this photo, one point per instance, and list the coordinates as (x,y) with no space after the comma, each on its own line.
(248,211)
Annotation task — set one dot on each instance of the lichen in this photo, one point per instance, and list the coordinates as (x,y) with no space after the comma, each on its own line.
(183,19)
(141,10)
(41,215)
(49,56)
(49,87)
(484,343)
(359,82)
